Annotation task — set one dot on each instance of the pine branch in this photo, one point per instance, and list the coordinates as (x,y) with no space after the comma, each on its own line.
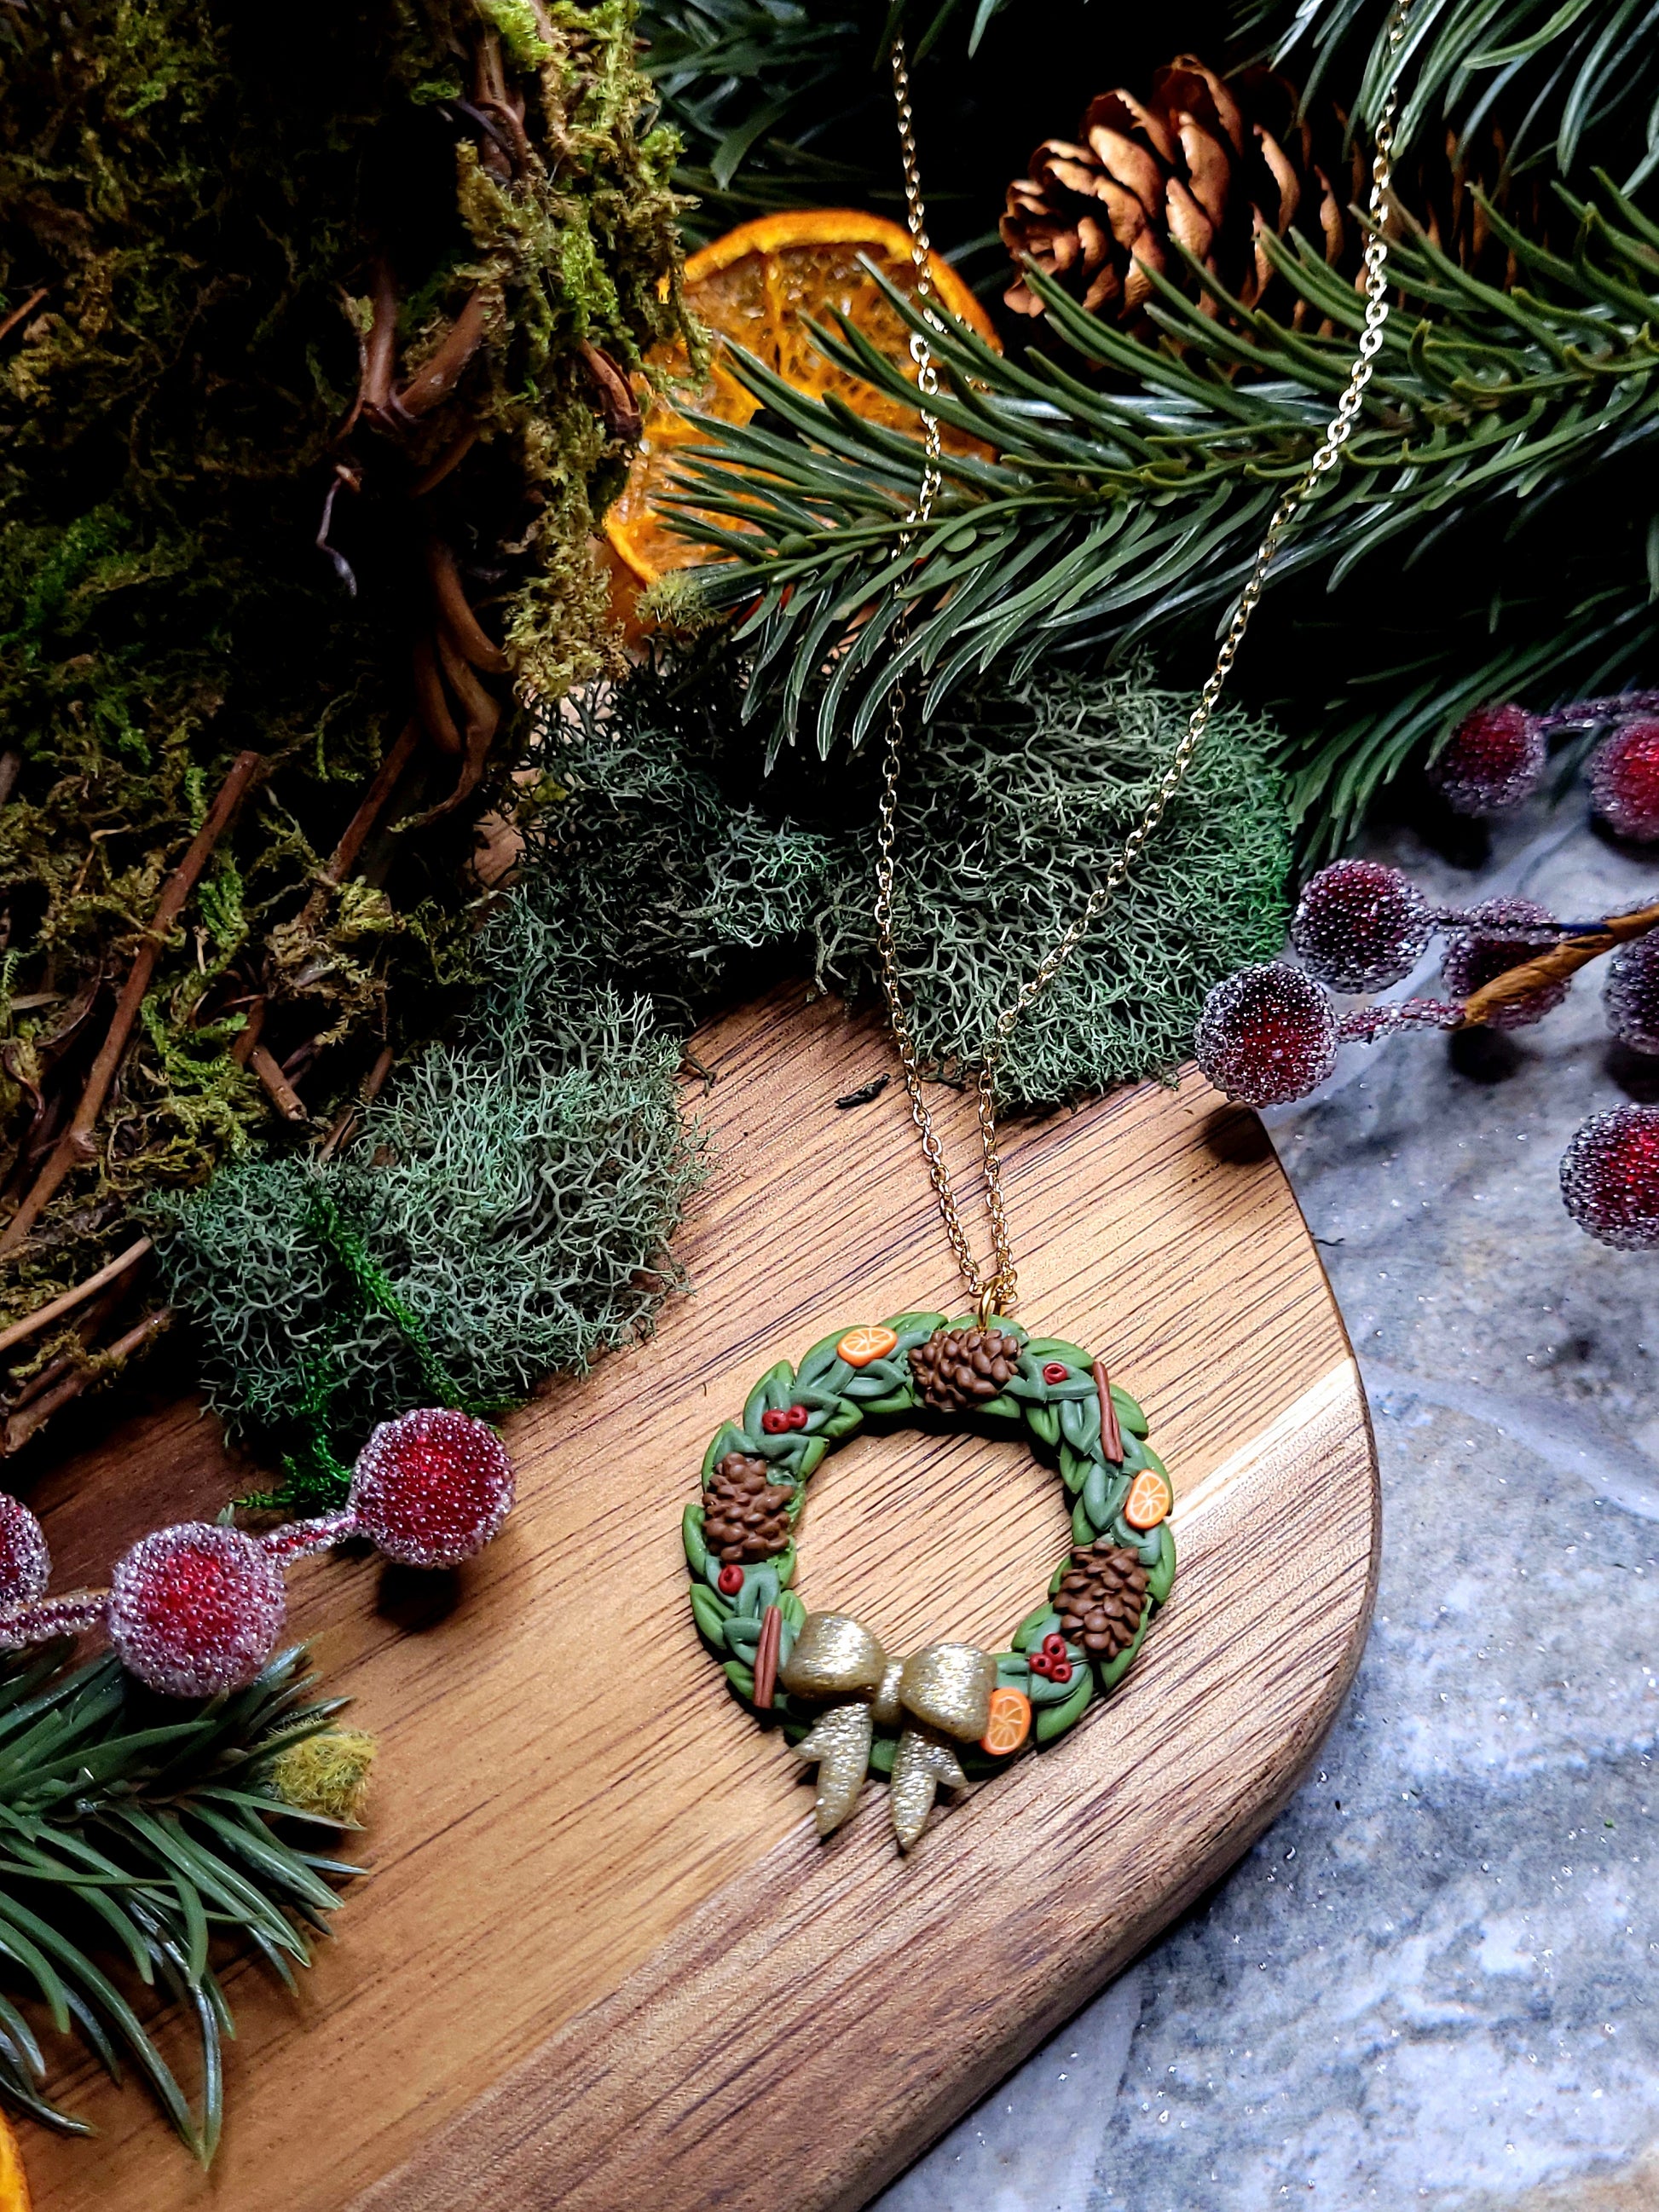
(1567,78)
(1113,516)
(127,1829)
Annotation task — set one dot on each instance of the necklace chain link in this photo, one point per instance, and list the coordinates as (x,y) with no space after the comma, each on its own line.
(994,1288)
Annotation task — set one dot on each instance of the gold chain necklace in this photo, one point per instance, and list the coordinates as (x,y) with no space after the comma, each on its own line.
(951,1712)
(994,1288)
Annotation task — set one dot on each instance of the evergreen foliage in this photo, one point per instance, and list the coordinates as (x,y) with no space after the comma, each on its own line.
(1487,536)
(138,1840)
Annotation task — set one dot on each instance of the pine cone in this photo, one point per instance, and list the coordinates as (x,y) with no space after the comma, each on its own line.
(1102,1596)
(1216,164)
(746,1513)
(957,1366)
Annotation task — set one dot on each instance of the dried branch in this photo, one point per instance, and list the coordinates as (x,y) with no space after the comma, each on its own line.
(75,1147)
(55,1309)
(1560,961)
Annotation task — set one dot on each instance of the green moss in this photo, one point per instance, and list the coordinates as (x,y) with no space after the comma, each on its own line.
(201,206)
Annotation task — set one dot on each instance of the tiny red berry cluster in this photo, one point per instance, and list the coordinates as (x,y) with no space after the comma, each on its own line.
(779,1422)
(1052,1660)
(196,1610)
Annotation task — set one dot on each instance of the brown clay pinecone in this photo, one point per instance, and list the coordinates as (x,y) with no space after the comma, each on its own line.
(958,1366)
(1103,1595)
(1216,164)
(746,1513)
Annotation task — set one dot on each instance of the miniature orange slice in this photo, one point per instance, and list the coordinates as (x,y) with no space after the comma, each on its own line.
(14,2182)
(761,285)
(868,1341)
(1010,1723)
(1149,1500)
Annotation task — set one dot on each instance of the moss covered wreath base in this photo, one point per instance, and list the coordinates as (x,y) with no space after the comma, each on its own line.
(949,1712)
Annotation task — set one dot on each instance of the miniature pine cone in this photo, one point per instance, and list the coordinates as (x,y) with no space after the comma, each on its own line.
(1216,166)
(1102,1596)
(957,1367)
(746,1514)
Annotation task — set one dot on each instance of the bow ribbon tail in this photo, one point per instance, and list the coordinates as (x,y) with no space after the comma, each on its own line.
(920,1765)
(840,1741)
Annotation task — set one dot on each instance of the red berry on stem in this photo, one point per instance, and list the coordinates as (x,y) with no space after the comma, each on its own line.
(1492,761)
(729,1581)
(432,1488)
(775,1424)
(1630,994)
(1060,1671)
(1359,926)
(1267,1035)
(196,1609)
(1624,780)
(1054,1647)
(25,1562)
(1610,1177)
(1474,959)
(1055,1370)
(1041,1663)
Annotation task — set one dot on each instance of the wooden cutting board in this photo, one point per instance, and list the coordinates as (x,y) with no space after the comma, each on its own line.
(601,1959)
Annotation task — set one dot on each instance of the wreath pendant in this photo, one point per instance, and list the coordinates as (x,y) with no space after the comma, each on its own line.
(950,1712)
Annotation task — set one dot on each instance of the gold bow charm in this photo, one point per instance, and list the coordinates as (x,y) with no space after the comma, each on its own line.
(945,1687)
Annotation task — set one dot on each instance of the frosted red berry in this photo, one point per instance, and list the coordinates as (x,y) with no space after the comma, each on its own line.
(1267,1035)
(1474,959)
(1359,926)
(25,1562)
(1610,1177)
(1492,760)
(432,1488)
(1630,994)
(1624,780)
(196,1609)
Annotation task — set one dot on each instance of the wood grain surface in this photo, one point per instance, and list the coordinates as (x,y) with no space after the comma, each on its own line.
(600,1958)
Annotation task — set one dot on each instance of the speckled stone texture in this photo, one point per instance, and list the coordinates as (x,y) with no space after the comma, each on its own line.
(1432,1983)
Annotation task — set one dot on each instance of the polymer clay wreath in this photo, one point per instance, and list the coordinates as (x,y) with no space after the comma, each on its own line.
(949,1712)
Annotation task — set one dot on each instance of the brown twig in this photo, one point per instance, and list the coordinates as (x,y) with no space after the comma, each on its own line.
(248,1037)
(10,763)
(368,1093)
(483,713)
(22,1425)
(434,381)
(455,612)
(1559,962)
(17,314)
(451,457)
(352,837)
(430,703)
(55,1309)
(284,1096)
(75,1147)
(380,354)
(617,405)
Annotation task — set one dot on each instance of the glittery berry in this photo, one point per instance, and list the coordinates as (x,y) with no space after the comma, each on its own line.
(1610,1177)
(1472,959)
(1624,780)
(1267,1035)
(25,1562)
(196,1609)
(432,1488)
(1358,926)
(1492,761)
(1630,994)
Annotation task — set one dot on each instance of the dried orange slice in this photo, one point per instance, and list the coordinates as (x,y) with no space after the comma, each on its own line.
(1010,1722)
(761,285)
(14,2182)
(1149,1500)
(870,1340)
